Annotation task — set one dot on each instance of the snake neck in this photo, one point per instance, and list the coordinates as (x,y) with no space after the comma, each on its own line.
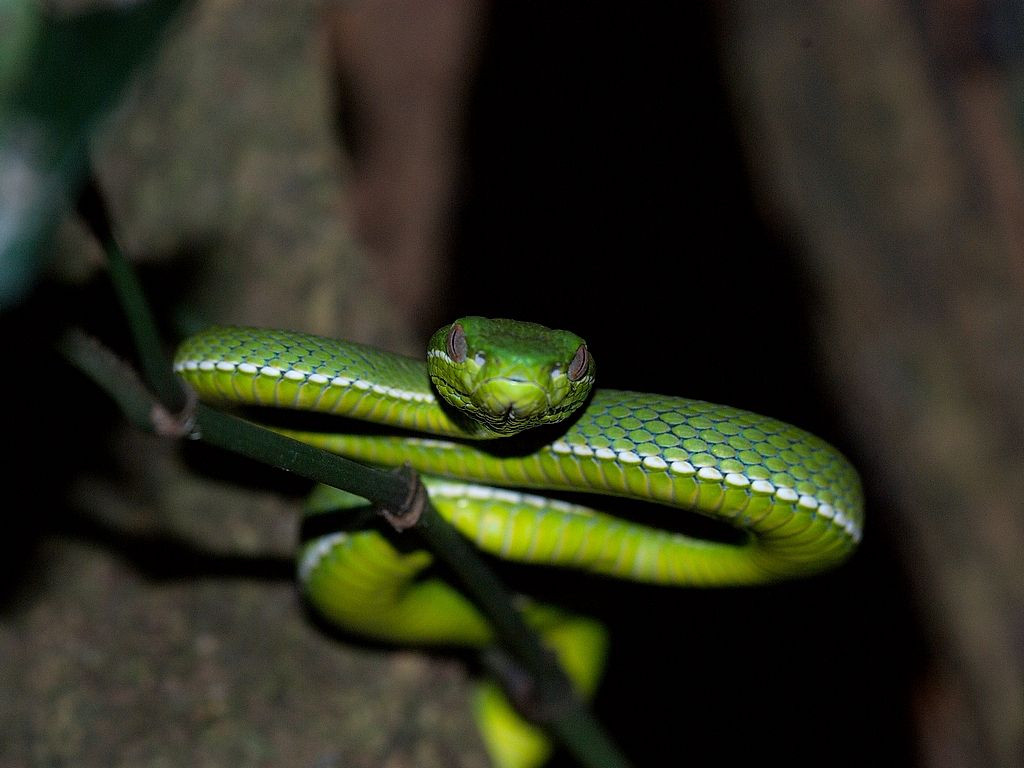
(295,371)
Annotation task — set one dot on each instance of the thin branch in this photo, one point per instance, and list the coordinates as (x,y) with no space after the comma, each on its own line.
(567,716)
(399,492)
(115,376)
(92,207)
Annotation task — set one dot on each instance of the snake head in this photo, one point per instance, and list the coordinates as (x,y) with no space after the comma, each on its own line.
(509,375)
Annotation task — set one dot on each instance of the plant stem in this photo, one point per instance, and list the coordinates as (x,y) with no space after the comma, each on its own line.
(571,722)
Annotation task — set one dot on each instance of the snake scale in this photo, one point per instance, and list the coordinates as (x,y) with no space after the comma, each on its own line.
(793,500)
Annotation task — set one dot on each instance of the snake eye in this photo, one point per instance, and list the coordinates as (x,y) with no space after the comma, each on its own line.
(580,363)
(456,345)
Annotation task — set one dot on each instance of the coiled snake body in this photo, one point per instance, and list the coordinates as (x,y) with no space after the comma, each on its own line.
(795,501)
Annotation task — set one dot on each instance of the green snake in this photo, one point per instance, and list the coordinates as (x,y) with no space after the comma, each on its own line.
(499,410)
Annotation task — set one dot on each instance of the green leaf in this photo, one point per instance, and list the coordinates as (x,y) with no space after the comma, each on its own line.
(60,75)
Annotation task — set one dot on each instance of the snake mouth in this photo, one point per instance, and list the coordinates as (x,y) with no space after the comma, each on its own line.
(512,399)
(509,405)
(512,416)
(507,417)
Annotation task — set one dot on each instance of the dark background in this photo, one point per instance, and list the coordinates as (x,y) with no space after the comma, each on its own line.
(608,193)
(811,212)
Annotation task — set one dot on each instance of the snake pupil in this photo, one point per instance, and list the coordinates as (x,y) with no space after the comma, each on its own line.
(579,363)
(456,343)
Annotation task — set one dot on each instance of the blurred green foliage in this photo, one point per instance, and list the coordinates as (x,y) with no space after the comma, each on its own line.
(60,73)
